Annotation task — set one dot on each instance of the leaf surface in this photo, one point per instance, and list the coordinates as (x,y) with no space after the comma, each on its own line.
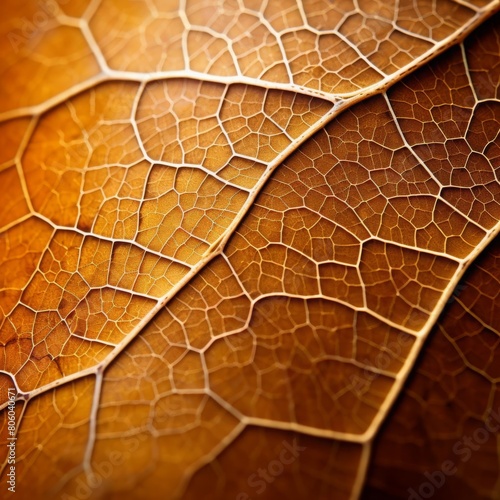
(227,231)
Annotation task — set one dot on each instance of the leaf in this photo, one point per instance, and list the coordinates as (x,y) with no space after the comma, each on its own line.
(226,233)
(451,401)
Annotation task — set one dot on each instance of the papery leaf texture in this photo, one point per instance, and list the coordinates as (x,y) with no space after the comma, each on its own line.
(248,249)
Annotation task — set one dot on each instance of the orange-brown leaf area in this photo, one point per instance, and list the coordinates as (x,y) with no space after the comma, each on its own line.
(226,231)
(450,409)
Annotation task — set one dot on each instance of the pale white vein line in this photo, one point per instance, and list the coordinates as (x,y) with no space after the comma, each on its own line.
(87,459)
(20,171)
(361,474)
